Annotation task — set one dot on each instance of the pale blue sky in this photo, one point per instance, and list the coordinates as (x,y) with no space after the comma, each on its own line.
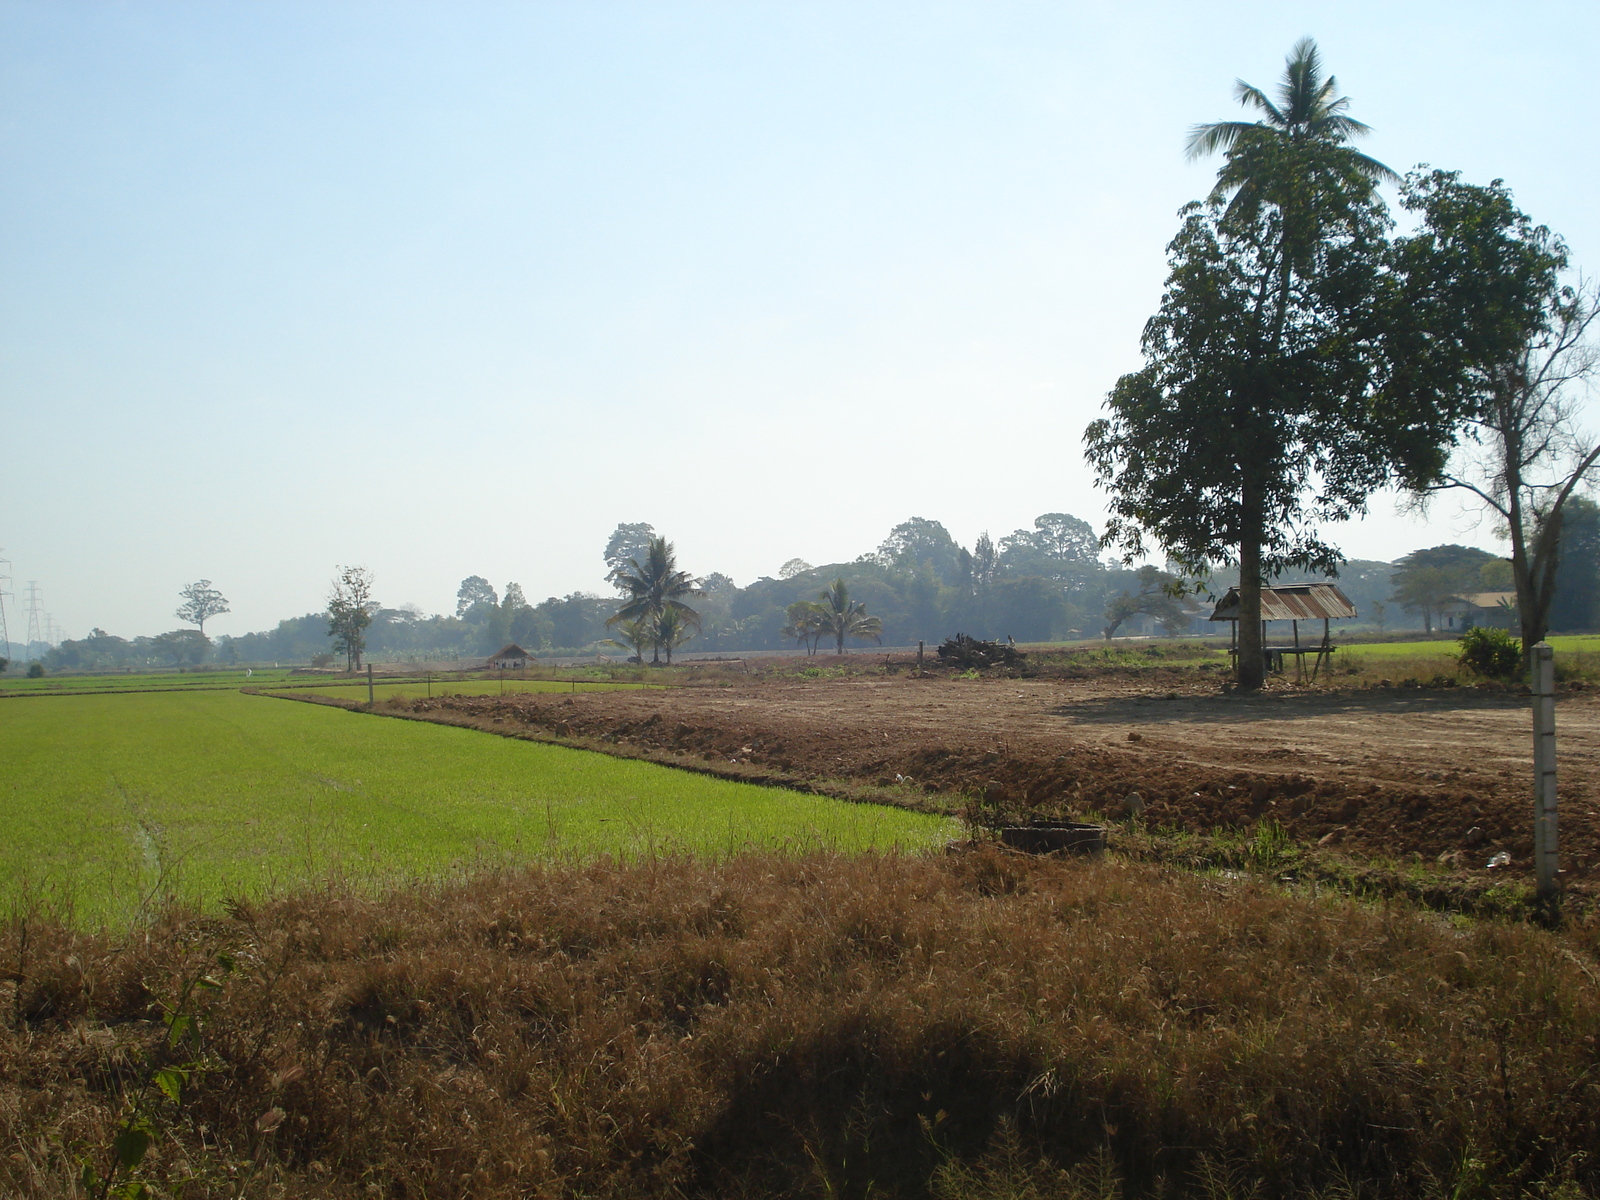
(453,288)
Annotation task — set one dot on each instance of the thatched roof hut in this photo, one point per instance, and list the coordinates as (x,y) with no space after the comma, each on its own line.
(511,657)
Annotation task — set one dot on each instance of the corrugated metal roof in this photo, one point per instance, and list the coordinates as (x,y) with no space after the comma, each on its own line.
(1298,602)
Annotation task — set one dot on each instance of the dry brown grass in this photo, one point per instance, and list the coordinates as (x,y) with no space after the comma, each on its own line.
(977,1026)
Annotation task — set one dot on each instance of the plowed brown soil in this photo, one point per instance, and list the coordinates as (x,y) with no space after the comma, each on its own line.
(1388,773)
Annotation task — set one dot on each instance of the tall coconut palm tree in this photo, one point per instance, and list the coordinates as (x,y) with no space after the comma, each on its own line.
(843,617)
(1293,186)
(655,586)
(808,621)
(674,627)
(1309,116)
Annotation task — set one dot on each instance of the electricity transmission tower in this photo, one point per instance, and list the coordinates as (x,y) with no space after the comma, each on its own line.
(5,634)
(34,635)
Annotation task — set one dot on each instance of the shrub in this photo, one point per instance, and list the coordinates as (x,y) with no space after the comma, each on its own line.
(36,670)
(1491,652)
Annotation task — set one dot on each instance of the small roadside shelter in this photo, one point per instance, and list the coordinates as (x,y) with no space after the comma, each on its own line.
(1293,603)
(511,658)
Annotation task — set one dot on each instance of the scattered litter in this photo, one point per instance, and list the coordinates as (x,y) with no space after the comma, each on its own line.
(1503,859)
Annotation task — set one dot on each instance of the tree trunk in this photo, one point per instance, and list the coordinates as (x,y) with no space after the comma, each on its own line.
(1536,582)
(1533,566)
(1252,667)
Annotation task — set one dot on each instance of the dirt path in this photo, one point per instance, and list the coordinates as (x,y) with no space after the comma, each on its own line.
(1386,773)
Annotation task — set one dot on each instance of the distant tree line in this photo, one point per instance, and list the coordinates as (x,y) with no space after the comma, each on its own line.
(1039,584)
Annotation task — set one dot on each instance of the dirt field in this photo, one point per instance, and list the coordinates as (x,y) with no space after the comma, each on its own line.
(1377,773)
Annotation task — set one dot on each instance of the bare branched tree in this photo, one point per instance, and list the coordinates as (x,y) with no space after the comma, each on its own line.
(1526,452)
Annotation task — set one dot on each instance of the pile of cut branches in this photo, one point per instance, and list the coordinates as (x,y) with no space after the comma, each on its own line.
(964,651)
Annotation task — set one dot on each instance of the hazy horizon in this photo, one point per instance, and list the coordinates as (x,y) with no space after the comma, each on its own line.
(452,290)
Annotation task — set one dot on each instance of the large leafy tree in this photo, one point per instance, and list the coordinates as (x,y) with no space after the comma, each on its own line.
(918,542)
(846,618)
(628,541)
(1526,365)
(1426,581)
(653,585)
(1154,598)
(350,609)
(201,602)
(181,646)
(1058,546)
(475,592)
(1264,407)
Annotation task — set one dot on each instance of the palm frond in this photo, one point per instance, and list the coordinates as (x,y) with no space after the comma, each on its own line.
(1218,135)
(1372,168)
(1250,96)
(1302,79)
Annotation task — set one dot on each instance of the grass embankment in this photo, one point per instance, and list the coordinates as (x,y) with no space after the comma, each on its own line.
(1434,663)
(1353,664)
(111,801)
(17,684)
(418,689)
(982,1026)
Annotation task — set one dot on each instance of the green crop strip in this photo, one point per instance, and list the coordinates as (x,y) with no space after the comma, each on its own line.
(112,801)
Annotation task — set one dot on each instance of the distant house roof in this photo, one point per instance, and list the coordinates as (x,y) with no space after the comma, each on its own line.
(511,651)
(1298,602)
(1490,599)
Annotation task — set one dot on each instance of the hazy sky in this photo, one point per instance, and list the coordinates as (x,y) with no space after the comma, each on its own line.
(453,288)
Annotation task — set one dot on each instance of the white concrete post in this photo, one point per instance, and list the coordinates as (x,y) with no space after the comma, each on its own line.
(1544,769)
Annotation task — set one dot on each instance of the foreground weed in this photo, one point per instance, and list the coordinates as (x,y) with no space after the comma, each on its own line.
(169,1067)
(1271,848)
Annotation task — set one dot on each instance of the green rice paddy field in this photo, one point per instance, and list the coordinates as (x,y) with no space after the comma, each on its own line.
(1563,643)
(111,801)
